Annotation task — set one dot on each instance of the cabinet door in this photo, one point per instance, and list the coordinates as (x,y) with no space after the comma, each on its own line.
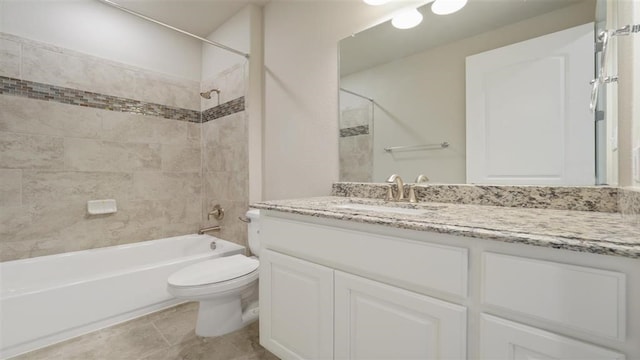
(296,307)
(378,321)
(503,339)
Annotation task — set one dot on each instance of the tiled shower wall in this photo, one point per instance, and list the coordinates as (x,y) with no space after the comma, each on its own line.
(225,152)
(103,133)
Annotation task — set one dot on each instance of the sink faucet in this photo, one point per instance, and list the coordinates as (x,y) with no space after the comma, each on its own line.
(399,195)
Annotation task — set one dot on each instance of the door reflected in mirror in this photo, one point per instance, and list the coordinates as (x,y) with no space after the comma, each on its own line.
(504,83)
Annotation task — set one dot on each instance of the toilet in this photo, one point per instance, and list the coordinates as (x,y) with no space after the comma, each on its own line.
(218,285)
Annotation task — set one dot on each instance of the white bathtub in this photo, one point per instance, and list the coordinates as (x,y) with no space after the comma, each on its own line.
(48,299)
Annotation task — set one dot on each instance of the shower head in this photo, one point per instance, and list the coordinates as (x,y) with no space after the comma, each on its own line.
(207,94)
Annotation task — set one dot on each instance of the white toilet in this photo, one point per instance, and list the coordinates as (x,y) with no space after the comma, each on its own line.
(218,285)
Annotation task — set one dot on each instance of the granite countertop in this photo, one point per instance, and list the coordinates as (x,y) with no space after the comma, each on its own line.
(584,231)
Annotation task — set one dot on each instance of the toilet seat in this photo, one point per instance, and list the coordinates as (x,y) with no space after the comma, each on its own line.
(215,276)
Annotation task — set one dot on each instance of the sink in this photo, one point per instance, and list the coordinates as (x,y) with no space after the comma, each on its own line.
(382,209)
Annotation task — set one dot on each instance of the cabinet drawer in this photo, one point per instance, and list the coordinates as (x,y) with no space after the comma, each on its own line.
(408,264)
(580,298)
(503,339)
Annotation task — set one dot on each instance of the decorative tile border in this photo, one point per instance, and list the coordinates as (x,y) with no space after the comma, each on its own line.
(228,108)
(40,91)
(353,131)
(581,198)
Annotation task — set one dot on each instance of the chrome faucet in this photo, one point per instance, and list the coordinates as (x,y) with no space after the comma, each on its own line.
(399,195)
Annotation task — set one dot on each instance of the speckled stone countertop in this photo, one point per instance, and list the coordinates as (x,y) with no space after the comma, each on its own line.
(584,231)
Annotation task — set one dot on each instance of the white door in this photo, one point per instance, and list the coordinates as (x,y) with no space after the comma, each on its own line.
(502,339)
(528,117)
(296,307)
(378,321)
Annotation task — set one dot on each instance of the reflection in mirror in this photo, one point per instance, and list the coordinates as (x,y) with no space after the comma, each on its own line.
(509,105)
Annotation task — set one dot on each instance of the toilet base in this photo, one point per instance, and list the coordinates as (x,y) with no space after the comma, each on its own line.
(218,317)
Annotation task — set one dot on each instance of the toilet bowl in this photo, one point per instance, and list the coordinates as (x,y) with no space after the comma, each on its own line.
(218,284)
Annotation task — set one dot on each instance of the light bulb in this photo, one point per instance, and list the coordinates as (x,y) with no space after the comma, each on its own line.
(407,19)
(446,7)
(375,2)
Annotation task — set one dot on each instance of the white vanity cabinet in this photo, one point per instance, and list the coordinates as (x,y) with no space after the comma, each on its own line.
(378,321)
(309,311)
(503,339)
(296,307)
(332,289)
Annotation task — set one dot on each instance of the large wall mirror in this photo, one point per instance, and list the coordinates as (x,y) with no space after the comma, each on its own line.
(497,92)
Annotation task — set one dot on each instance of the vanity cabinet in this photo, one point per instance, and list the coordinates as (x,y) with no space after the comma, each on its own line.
(333,289)
(310,311)
(296,307)
(378,321)
(503,339)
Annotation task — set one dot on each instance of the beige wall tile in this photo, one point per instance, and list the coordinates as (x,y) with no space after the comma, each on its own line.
(20,151)
(92,155)
(193,132)
(225,144)
(136,221)
(226,185)
(42,187)
(166,186)
(74,70)
(10,58)
(135,128)
(182,210)
(10,188)
(31,116)
(181,158)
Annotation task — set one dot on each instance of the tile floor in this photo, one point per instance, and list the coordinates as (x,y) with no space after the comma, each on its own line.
(168,334)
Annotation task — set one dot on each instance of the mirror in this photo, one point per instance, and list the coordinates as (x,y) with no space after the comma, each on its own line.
(407,98)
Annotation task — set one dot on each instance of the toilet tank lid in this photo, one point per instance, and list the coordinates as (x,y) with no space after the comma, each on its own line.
(214,271)
(253,213)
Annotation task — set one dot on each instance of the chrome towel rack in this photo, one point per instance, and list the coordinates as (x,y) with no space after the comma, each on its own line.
(439,146)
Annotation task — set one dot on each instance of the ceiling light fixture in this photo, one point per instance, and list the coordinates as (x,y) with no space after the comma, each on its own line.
(446,7)
(376,2)
(407,19)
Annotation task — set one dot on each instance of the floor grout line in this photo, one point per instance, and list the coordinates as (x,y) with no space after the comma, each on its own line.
(161,334)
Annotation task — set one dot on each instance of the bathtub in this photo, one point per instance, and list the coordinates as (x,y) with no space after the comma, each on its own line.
(48,299)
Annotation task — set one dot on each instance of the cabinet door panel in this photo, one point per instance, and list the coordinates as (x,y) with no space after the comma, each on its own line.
(378,321)
(503,339)
(296,307)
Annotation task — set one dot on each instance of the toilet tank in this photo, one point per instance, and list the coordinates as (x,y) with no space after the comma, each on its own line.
(254,231)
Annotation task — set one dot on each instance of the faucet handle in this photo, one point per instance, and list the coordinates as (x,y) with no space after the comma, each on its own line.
(421,178)
(412,194)
(389,196)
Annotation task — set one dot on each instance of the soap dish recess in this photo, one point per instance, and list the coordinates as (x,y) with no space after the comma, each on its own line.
(100,207)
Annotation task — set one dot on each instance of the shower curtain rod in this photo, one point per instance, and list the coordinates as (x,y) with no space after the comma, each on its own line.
(120,7)
(356,94)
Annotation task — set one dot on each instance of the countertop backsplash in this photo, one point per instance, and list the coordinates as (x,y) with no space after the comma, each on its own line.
(581,198)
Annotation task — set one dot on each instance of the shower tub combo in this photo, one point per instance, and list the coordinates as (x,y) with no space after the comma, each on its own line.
(48,299)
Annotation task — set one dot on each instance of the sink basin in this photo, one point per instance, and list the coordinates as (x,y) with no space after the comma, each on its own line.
(382,209)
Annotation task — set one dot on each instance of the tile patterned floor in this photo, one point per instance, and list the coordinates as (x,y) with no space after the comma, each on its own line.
(165,335)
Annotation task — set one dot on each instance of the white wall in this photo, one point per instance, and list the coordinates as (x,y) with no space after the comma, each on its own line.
(96,29)
(234,33)
(301,90)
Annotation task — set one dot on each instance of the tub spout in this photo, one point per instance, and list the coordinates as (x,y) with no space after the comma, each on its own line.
(208,229)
